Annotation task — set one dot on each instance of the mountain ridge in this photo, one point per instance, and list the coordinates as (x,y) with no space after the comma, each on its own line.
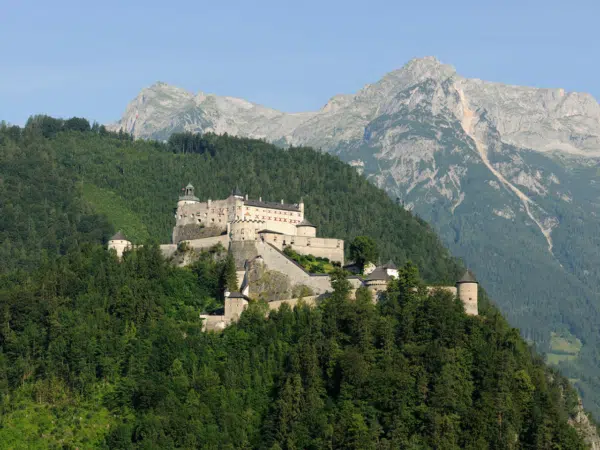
(506,174)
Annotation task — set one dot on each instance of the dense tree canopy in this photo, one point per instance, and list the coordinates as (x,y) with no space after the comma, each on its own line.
(97,352)
(362,250)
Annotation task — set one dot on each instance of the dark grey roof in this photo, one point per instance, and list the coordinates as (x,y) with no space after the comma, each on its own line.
(237,192)
(237,295)
(468,277)
(118,237)
(272,205)
(269,231)
(390,265)
(305,223)
(378,274)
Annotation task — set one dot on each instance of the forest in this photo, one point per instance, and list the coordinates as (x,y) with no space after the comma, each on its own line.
(101,353)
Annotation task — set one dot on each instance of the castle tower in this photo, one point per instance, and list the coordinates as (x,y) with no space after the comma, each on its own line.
(237,193)
(467,292)
(119,243)
(377,282)
(188,196)
(305,228)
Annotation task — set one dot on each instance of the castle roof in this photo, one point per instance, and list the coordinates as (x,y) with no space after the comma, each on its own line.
(269,231)
(379,274)
(390,265)
(189,186)
(238,295)
(273,205)
(118,237)
(468,277)
(305,223)
(236,192)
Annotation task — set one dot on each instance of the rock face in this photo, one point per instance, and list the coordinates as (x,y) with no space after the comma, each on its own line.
(506,174)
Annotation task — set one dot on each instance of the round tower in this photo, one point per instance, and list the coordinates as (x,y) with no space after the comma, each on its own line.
(377,281)
(305,228)
(467,292)
(119,243)
(188,196)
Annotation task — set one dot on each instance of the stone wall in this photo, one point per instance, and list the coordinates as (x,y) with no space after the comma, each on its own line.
(194,231)
(202,244)
(275,260)
(276,304)
(467,292)
(168,250)
(332,249)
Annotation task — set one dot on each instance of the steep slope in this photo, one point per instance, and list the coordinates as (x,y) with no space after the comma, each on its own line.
(506,174)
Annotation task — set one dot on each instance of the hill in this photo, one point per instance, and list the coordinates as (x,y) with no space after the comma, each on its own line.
(507,176)
(100,353)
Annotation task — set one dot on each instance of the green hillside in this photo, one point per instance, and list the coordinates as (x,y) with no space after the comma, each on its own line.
(97,353)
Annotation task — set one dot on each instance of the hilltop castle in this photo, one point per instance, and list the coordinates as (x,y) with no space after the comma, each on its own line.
(237,218)
(257,232)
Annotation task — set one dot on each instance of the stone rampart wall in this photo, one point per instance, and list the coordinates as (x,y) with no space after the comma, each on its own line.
(206,243)
(310,301)
(332,249)
(275,260)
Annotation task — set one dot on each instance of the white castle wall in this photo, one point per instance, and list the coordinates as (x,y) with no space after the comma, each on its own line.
(119,246)
(217,213)
(467,292)
(333,249)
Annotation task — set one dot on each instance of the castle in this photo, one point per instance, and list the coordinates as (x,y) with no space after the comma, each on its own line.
(257,232)
(237,218)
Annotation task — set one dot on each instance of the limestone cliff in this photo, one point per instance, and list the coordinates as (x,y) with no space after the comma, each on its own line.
(506,174)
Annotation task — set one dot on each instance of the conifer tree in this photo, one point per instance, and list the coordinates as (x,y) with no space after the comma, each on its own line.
(229,278)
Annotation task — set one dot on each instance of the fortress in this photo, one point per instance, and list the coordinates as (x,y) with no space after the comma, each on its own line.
(257,232)
(236,218)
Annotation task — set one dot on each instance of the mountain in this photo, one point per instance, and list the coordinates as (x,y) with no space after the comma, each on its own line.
(97,352)
(507,175)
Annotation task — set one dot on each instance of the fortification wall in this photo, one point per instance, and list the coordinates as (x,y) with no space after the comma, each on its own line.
(451,289)
(214,213)
(213,323)
(206,243)
(275,260)
(310,301)
(332,249)
(168,250)
(245,230)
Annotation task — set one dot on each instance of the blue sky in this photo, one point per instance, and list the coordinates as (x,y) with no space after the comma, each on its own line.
(76,58)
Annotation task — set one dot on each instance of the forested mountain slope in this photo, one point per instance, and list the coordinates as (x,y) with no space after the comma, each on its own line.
(507,175)
(100,353)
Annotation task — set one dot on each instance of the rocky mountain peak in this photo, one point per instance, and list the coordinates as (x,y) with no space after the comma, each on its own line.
(418,70)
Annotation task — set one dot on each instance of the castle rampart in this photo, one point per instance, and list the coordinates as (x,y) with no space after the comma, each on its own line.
(254,230)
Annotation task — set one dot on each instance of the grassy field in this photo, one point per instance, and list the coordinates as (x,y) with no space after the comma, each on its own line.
(112,206)
(564,347)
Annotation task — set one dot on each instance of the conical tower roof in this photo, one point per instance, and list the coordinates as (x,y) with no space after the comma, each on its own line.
(119,237)
(379,274)
(305,223)
(468,277)
(189,186)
